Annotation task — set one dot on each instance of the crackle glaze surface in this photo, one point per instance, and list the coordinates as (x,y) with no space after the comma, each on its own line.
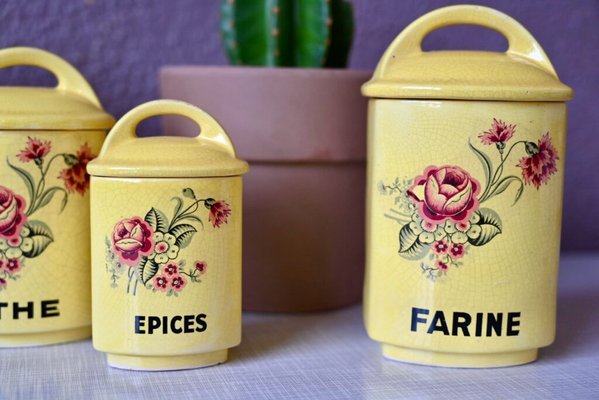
(166,244)
(45,262)
(47,137)
(464,199)
(199,275)
(515,270)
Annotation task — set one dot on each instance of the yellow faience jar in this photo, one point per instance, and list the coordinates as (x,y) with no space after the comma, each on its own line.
(465,178)
(47,137)
(166,244)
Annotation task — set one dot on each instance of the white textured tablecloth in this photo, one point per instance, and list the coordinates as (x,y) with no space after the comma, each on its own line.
(328,356)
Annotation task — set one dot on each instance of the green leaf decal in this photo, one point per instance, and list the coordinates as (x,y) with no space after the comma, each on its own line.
(486,163)
(47,196)
(188,192)
(178,206)
(504,183)
(194,218)
(157,220)
(184,233)
(26,177)
(409,245)
(147,269)
(490,224)
(41,234)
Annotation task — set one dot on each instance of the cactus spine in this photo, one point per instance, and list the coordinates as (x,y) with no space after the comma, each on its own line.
(303,33)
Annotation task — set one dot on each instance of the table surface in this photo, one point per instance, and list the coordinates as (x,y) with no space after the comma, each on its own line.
(328,356)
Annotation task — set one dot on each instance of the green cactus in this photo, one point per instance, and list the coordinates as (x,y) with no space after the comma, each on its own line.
(286,33)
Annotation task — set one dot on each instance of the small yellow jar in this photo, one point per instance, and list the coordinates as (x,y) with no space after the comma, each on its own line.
(47,137)
(465,179)
(166,244)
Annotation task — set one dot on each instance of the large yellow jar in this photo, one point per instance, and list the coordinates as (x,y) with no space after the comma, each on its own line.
(47,137)
(465,177)
(166,244)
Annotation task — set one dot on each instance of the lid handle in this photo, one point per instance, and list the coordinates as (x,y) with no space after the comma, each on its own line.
(125,128)
(521,42)
(69,79)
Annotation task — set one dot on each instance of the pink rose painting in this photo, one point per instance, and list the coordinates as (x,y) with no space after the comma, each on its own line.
(151,249)
(12,213)
(445,193)
(440,210)
(132,238)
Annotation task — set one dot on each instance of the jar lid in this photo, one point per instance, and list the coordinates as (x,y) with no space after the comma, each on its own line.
(522,73)
(71,105)
(208,154)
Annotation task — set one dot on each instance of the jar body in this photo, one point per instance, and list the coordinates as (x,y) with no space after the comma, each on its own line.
(166,270)
(44,236)
(463,229)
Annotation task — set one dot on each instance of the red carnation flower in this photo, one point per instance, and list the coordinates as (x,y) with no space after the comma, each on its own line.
(541,162)
(219,212)
(75,177)
(500,132)
(35,149)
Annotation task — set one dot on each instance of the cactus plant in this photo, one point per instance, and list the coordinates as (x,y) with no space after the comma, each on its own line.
(302,33)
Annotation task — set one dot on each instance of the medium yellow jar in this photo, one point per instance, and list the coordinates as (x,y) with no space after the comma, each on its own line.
(166,244)
(465,179)
(47,137)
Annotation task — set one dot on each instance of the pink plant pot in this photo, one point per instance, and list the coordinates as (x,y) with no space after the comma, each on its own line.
(304,133)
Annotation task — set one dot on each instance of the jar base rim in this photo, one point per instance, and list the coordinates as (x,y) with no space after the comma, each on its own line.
(45,338)
(166,363)
(459,360)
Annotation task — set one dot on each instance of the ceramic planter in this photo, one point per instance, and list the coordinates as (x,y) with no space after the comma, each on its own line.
(302,131)
(47,136)
(166,244)
(465,186)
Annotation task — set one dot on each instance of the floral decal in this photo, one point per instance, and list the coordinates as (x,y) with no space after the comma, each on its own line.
(446,193)
(440,211)
(499,134)
(132,238)
(75,177)
(540,162)
(23,237)
(219,212)
(35,150)
(149,249)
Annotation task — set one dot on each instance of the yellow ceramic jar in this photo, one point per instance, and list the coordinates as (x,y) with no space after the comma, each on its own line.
(47,137)
(166,244)
(465,176)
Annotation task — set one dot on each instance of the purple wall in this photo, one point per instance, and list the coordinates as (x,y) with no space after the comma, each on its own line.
(119,46)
